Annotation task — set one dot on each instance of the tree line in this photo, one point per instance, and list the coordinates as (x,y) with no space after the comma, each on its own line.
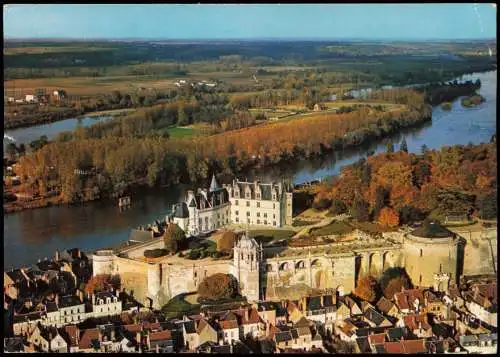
(397,187)
(121,162)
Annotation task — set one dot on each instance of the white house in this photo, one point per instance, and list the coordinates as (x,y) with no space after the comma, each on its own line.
(30,98)
(106,304)
(256,203)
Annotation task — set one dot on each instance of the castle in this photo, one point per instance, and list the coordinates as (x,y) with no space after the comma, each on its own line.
(433,258)
(251,203)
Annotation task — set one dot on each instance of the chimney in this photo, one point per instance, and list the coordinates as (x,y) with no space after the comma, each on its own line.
(117,293)
(93,299)
(50,336)
(80,295)
(113,333)
(246,314)
(56,256)
(157,348)
(138,337)
(322,301)
(57,300)
(221,342)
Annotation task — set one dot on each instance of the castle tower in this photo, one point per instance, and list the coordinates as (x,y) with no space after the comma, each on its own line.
(214,186)
(193,216)
(246,261)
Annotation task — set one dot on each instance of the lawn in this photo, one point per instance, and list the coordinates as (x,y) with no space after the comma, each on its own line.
(178,306)
(336,227)
(268,235)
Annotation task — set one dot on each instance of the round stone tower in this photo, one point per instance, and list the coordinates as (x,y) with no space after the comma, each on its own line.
(102,262)
(429,250)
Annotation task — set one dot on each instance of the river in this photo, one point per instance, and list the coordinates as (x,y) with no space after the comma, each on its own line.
(27,135)
(34,234)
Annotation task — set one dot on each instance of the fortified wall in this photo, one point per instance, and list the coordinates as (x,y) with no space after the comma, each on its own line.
(275,273)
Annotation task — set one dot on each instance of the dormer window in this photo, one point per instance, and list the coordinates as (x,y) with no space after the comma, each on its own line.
(237,193)
(274,196)
(247,194)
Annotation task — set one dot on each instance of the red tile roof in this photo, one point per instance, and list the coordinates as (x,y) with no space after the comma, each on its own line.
(413,346)
(160,336)
(86,338)
(72,333)
(376,338)
(412,321)
(228,324)
(133,327)
(394,347)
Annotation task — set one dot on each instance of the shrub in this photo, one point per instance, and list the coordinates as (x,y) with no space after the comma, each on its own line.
(392,280)
(174,238)
(193,254)
(218,286)
(155,253)
(322,204)
(367,288)
(226,241)
(338,207)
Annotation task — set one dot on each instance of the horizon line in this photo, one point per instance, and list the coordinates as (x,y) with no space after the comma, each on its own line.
(311,39)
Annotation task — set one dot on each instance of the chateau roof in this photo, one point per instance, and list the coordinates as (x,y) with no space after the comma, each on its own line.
(265,188)
(214,186)
(181,210)
(247,242)
(432,230)
(212,199)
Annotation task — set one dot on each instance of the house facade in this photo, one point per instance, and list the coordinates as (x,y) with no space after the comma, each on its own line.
(246,203)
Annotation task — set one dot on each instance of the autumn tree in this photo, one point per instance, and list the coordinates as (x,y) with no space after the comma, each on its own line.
(367,288)
(489,207)
(393,280)
(338,207)
(174,238)
(102,283)
(359,210)
(218,286)
(226,241)
(388,217)
(381,200)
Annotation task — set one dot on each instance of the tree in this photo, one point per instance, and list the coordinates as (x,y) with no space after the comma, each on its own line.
(381,200)
(338,207)
(390,147)
(393,280)
(359,210)
(388,217)
(489,208)
(226,241)
(367,288)
(103,283)
(182,118)
(322,204)
(408,214)
(403,146)
(218,286)
(174,238)
(11,150)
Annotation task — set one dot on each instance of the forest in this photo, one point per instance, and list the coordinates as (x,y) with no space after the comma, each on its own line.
(397,187)
(125,160)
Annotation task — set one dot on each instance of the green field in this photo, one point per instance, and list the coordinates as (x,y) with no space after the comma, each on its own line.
(336,227)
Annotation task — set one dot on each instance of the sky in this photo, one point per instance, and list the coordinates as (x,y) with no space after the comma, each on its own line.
(291,21)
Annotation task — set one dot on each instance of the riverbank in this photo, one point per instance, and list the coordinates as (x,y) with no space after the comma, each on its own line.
(18,121)
(371,130)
